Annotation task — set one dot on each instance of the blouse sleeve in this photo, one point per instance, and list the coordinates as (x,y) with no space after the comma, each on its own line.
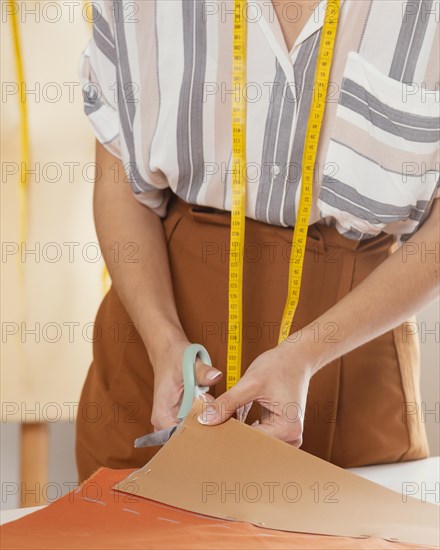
(429,92)
(431,85)
(102,79)
(433,70)
(97,73)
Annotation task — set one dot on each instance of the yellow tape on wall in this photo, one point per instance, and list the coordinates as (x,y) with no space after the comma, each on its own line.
(13,11)
(24,126)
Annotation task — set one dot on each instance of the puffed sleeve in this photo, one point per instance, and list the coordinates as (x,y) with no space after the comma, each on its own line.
(97,73)
(428,85)
(113,112)
(431,88)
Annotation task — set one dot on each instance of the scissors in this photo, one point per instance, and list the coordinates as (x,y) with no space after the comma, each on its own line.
(190,391)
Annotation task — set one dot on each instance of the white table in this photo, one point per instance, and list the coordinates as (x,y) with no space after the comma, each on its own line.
(418,478)
(16,513)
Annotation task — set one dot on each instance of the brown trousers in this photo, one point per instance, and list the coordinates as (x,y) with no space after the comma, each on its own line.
(361,409)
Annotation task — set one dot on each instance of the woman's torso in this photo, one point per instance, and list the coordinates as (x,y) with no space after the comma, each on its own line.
(377,164)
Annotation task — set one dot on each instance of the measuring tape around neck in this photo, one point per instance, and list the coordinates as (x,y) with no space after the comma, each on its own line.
(237,232)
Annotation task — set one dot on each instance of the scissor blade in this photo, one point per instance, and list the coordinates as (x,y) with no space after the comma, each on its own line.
(155,438)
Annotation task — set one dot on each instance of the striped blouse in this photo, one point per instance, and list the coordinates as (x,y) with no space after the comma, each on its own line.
(157,87)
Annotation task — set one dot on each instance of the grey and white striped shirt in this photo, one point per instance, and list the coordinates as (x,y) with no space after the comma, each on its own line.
(157,77)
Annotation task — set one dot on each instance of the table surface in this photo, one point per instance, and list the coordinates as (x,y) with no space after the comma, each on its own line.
(417,478)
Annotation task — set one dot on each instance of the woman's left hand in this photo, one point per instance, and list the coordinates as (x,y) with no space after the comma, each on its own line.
(278,380)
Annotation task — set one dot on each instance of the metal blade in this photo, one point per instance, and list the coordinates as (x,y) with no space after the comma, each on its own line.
(155,438)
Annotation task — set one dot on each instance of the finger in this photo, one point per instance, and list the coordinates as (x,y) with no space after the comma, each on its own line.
(207,375)
(225,406)
(242,412)
(164,412)
(163,416)
(206,397)
(163,422)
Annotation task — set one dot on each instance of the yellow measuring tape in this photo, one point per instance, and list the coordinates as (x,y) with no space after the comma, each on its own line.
(238,195)
(237,236)
(24,127)
(13,12)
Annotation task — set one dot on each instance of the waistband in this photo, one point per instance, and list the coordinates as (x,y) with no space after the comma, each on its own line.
(322,235)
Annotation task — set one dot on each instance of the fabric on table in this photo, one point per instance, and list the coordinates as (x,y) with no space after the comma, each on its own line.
(361,408)
(94,516)
(235,472)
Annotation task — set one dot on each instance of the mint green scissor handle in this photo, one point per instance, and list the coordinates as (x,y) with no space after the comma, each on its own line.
(190,387)
(190,390)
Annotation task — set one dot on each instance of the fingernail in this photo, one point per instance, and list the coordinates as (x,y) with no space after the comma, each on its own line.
(255,423)
(214,375)
(208,415)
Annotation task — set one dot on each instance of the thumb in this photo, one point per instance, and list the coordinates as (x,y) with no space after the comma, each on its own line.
(207,375)
(220,410)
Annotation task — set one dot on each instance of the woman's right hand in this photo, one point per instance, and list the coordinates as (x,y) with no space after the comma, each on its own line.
(168,382)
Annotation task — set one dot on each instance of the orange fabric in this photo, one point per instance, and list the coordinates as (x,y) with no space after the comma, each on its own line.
(96,516)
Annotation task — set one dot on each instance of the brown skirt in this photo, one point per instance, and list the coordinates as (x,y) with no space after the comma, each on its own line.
(361,409)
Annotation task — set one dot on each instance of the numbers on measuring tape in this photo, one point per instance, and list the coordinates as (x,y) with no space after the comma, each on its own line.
(238,195)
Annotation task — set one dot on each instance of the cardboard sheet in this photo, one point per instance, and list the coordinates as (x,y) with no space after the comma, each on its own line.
(95,517)
(235,472)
